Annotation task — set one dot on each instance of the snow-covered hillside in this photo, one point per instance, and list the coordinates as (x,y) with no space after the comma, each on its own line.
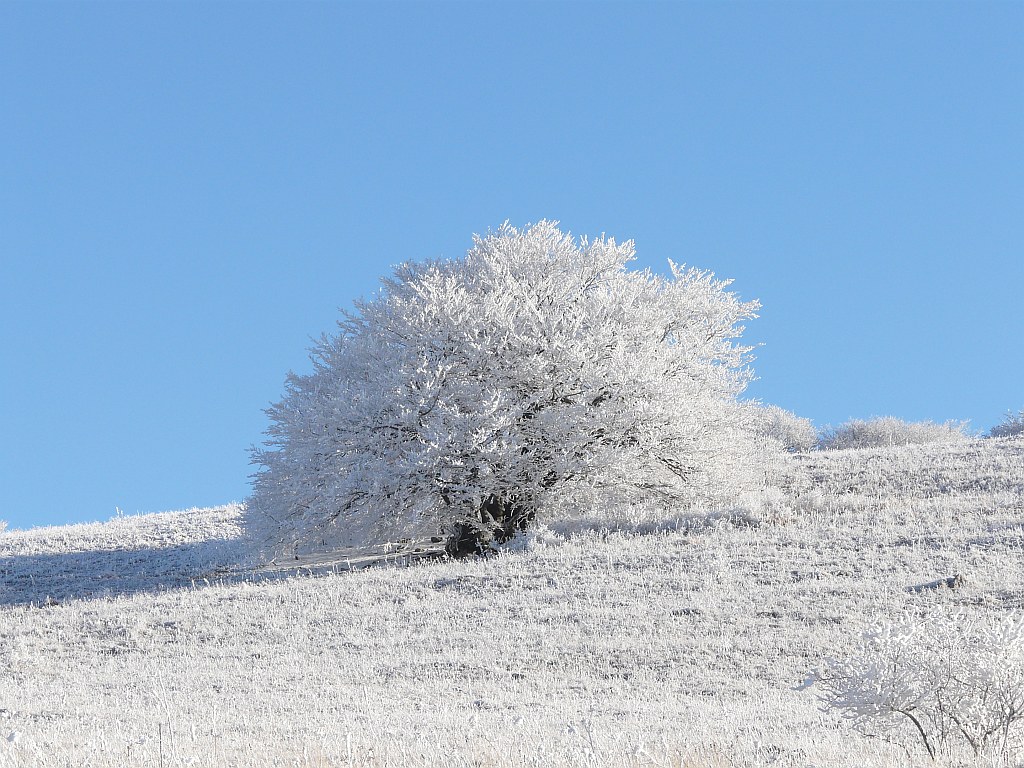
(685,642)
(128,554)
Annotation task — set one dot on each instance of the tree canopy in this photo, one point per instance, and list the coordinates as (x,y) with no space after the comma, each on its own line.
(533,377)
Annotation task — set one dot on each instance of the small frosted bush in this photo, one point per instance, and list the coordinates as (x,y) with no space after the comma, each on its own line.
(889,431)
(795,433)
(1012,425)
(947,683)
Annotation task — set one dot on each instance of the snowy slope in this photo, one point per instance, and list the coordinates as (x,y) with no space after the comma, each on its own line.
(687,646)
(126,555)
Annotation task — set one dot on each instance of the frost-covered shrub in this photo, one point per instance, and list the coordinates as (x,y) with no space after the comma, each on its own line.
(889,431)
(532,377)
(794,432)
(943,682)
(1012,425)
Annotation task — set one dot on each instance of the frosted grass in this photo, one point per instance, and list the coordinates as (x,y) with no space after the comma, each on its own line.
(687,643)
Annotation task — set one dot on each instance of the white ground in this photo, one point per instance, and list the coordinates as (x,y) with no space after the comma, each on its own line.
(680,642)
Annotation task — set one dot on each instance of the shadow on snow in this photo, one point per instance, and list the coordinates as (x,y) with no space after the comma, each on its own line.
(45,579)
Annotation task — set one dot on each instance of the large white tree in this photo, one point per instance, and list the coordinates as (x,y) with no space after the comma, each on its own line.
(534,377)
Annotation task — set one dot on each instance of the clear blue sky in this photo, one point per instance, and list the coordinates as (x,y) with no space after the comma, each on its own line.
(189,192)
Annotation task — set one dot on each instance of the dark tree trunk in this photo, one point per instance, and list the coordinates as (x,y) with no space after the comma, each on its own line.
(496,521)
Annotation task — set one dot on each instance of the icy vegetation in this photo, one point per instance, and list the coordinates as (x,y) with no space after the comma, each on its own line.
(533,379)
(883,431)
(1012,425)
(794,433)
(701,638)
(956,678)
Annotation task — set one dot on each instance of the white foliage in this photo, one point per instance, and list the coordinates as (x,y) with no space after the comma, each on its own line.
(535,371)
(885,431)
(537,537)
(944,682)
(1012,425)
(795,433)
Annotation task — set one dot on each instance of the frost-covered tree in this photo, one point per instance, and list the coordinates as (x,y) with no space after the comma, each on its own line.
(941,681)
(531,378)
(1012,425)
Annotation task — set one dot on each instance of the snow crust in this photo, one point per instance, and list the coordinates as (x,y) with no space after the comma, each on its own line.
(684,640)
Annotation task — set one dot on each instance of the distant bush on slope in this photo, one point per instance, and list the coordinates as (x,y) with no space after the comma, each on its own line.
(1012,425)
(888,431)
(795,433)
